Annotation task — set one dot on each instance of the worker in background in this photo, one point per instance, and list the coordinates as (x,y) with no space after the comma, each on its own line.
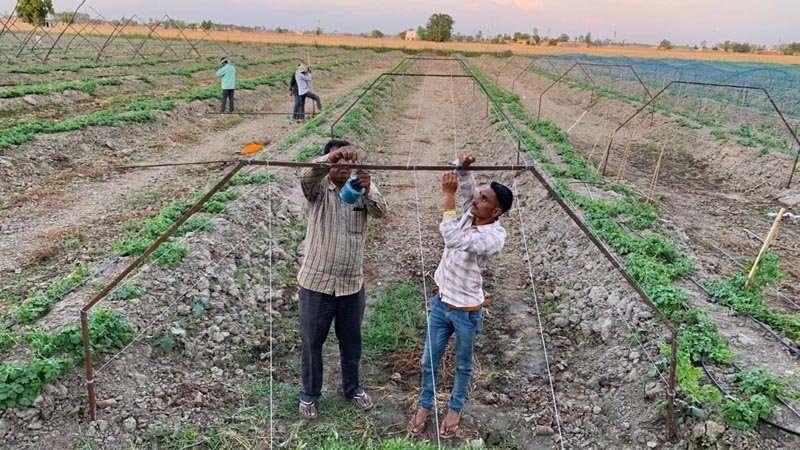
(303,77)
(299,102)
(227,75)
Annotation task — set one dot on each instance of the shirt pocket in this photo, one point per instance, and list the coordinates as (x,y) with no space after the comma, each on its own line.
(355,219)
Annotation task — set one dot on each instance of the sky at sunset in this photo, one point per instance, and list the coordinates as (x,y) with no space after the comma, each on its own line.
(681,21)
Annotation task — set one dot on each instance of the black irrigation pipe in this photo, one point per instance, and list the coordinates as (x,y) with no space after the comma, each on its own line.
(722,85)
(781,339)
(728,395)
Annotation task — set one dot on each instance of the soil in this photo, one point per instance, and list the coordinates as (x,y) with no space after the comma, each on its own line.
(210,332)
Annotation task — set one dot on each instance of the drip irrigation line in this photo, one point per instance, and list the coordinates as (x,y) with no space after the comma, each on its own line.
(781,339)
(539,320)
(270,312)
(421,253)
(728,395)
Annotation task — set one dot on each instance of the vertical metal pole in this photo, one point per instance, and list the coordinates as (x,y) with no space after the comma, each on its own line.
(672,432)
(87,364)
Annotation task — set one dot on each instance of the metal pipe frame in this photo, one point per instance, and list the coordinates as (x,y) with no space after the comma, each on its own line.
(84,313)
(108,39)
(583,66)
(522,72)
(721,85)
(90,382)
(79,33)
(8,20)
(71,19)
(607,253)
(180,32)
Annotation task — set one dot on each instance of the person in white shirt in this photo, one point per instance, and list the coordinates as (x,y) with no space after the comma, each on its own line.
(470,238)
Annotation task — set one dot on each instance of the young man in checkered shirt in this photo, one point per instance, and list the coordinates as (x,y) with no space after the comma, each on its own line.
(470,238)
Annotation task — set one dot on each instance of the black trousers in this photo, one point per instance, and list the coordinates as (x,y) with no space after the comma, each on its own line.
(227,96)
(317,312)
(313,97)
(299,112)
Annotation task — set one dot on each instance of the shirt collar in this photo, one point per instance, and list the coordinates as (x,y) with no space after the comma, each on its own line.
(481,228)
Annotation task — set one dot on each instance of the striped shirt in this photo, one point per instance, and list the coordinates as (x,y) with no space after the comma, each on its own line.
(336,234)
(467,248)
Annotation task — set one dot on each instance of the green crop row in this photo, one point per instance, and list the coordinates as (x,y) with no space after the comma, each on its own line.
(88,85)
(42,302)
(57,353)
(138,111)
(687,117)
(654,263)
(77,67)
(750,301)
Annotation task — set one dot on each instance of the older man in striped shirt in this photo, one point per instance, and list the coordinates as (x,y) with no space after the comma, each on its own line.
(331,279)
(470,238)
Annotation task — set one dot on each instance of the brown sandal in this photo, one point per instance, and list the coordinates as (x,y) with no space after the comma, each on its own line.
(449,431)
(415,428)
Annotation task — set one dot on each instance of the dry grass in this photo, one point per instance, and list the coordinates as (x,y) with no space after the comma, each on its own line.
(53,241)
(399,44)
(183,137)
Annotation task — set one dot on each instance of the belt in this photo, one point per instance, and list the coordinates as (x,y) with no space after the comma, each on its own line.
(486,302)
(464,308)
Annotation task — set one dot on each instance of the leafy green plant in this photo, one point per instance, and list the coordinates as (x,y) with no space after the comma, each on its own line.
(744,414)
(750,302)
(41,302)
(20,384)
(7,339)
(126,291)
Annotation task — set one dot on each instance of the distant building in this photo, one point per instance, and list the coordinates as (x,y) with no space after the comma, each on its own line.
(411,35)
(49,21)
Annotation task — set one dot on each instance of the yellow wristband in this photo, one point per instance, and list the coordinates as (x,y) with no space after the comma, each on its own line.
(449,214)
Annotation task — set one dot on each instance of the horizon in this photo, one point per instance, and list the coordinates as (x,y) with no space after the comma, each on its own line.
(683,22)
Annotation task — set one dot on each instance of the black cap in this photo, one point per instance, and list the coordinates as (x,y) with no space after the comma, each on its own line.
(503,194)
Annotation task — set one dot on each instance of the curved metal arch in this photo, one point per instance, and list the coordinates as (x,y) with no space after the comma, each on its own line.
(698,83)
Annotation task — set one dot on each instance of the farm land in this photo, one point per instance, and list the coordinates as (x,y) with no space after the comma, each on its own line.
(198,348)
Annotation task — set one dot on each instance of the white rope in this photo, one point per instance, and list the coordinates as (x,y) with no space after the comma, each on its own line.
(539,319)
(422,266)
(270,312)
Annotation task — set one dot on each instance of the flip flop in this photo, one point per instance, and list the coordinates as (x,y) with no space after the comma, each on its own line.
(449,431)
(363,400)
(308,410)
(415,428)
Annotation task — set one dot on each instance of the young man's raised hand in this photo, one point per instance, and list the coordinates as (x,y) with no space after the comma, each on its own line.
(465,158)
(344,153)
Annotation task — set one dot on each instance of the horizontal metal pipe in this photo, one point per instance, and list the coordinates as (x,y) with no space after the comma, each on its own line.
(257,113)
(374,167)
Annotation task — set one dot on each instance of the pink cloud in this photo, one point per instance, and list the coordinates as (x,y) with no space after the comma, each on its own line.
(523,4)
(591,20)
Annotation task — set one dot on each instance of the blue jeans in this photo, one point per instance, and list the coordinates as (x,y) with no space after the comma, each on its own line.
(442,323)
